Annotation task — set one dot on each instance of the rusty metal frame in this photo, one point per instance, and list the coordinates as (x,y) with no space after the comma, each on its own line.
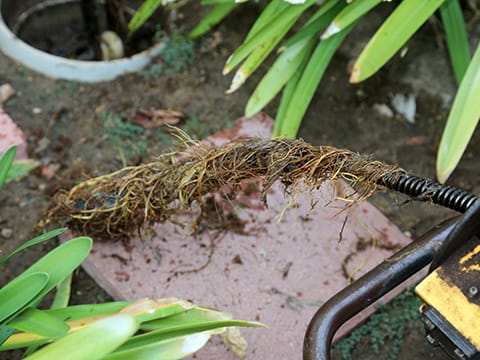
(369,288)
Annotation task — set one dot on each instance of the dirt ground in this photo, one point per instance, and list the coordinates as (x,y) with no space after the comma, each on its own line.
(79,130)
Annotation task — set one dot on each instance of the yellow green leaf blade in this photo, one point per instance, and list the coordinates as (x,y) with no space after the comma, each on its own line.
(189,322)
(294,54)
(142,14)
(255,58)
(351,13)
(78,312)
(19,292)
(216,15)
(5,332)
(40,323)
(308,83)
(278,23)
(287,95)
(278,75)
(21,168)
(6,161)
(172,349)
(457,38)
(274,7)
(461,121)
(36,240)
(54,264)
(149,309)
(62,295)
(392,35)
(98,340)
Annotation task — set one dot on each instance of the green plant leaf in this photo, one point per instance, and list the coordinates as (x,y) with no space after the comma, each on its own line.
(292,57)
(40,323)
(5,332)
(461,121)
(152,309)
(255,59)
(457,38)
(6,161)
(287,95)
(77,312)
(271,10)
(275,24)
(171,349)
(97,340)
(60,262)
(307,84)
(392,35)
(278,75)
(217,14)
(186,323)
(19,292)
(146,10)
(62,296)
(21,168)
(351,13)
(36,240)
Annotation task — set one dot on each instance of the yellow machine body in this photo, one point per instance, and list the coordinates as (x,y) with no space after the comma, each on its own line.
(451,294)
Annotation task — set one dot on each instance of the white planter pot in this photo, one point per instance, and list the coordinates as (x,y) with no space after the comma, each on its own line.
(63,68)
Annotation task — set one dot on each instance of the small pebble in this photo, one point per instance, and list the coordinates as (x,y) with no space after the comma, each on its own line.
(6,233)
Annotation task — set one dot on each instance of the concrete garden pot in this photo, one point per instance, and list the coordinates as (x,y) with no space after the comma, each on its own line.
(14,14)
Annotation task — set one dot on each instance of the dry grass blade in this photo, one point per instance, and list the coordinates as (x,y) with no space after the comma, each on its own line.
(121,203)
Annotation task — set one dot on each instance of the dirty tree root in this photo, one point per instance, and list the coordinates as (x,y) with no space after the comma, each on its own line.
(121,203)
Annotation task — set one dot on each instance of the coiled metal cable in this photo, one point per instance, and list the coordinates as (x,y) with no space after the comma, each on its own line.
(429,190)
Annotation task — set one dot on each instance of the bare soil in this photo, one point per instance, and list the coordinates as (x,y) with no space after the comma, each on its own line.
(78,130)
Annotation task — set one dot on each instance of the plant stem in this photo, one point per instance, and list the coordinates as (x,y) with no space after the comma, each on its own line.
(90,20)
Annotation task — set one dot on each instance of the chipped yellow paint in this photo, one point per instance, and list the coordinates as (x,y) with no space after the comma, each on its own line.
(449,301)
(474,267)
(470,255)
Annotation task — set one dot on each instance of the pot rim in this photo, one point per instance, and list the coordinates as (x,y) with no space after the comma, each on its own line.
(62,68)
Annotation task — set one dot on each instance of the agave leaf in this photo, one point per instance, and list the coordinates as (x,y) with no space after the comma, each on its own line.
(19,292)
(461,121)
(97,340)
(40,323)
(6,161)
(217,14)
(392,35)
(457,38)
(34,241)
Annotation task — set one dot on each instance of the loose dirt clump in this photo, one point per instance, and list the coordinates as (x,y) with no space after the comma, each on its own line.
(119,204)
